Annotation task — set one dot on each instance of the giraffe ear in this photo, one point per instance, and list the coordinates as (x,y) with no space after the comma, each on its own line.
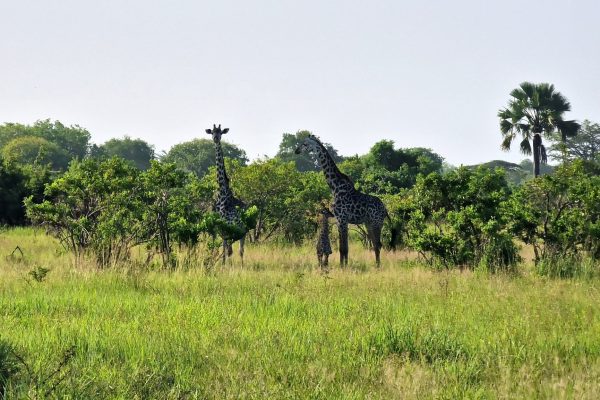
(209,131)
(225,131)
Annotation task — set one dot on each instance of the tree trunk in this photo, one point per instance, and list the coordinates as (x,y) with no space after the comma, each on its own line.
(537,148)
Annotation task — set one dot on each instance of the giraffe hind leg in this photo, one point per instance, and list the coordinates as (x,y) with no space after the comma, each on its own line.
(374,232)
(343,229)
(224,251)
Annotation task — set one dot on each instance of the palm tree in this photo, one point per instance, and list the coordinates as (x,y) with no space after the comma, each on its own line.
(535,110)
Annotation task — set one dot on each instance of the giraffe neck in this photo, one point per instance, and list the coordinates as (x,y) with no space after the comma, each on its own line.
(337,182)
(222,178)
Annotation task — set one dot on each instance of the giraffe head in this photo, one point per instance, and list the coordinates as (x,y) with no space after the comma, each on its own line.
(310,143)
(216,132)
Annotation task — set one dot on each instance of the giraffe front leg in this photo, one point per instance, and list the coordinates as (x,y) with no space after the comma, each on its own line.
(242,240)
(225,247)
(343,229)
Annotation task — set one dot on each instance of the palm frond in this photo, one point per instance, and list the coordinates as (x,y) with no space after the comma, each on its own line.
(506,142)
(526,88)
(558,102)
(525,147)
(524,129)
(504,114)
(567,128)
(506,126)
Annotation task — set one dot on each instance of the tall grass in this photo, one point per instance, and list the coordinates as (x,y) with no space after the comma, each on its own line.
(278,328)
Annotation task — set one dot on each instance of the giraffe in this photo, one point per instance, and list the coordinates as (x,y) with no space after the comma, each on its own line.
(349,205)
(323,243)
(226,205)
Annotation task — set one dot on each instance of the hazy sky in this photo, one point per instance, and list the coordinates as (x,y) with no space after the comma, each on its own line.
(422,73)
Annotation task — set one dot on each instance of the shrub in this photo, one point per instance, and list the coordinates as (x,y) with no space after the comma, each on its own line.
(94,207)
(559,215)
(455,220)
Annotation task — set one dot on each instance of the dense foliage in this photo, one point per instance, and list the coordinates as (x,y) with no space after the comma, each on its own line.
(585,146)
(55,141)
(113,197)
(455,219)
(387,170)
(559,215)
(137,151)
(198,155)
(94,206)
(284,197)
(303,162)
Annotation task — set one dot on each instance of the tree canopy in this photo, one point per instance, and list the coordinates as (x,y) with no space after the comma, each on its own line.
(72,139)
(34,150)
(198,155)
(304,162)
(585,146)
(137,151)
(386,169)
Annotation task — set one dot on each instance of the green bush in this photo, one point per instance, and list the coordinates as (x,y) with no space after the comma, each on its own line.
(559,215)
(455,219)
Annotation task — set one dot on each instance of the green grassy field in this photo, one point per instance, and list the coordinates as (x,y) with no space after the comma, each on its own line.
(278,328)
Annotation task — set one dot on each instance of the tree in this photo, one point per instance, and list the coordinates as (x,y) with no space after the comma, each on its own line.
(289,144)
(12,192)
(559,215)
(95,207)
(35,150)
(387,170)
(585,146)
(72,140)
(139,152)
(535,110)
(416,160)
(171,209)
(198,155)
(455,219)
(17,182)
(284,198)
(427,161)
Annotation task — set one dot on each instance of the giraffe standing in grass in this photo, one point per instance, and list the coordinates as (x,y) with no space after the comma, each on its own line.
(226,205)
(349,205)
(323,243)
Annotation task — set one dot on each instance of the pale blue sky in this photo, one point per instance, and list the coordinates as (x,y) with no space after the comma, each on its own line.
(426,73)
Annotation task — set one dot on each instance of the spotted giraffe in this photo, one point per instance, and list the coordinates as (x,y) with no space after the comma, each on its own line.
(349,205)
(323,243)
(226,205)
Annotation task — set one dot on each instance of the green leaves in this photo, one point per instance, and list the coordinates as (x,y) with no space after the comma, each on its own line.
(136,151)
(558,214)
(455,219)
(525,146)
(198,155)
(303,162)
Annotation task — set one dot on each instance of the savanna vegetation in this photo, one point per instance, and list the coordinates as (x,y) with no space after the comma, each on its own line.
(111,285)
